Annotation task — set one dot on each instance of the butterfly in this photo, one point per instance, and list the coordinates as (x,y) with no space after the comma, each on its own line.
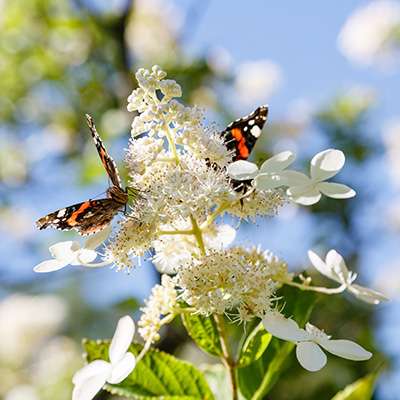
(93,215)
(242,134)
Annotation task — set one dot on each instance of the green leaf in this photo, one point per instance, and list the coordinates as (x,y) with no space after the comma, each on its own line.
(258,378)
(361,389)
(203,330)
(298,303)
(218,379)
(157,375)
(254,345)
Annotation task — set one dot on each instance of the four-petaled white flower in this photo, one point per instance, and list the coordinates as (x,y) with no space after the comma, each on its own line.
(268,177)
(335,268)
(324,165)
(308,341)
(92,377)
(70,252)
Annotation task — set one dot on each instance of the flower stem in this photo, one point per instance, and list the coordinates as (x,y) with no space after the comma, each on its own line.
(337,290)
(173,147)
(198,234)
(188,232)
(215,214)
(227,355)
(95,265)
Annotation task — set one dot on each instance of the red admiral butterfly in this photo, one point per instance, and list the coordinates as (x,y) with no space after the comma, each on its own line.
(242,134)
(92,215)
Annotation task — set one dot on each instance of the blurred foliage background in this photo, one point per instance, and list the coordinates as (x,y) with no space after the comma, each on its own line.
(62,59)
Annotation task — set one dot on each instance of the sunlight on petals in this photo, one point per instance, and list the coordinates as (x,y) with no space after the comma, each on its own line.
(96,367)
(335,268)
(49,266)
(287,329)
(122,339)
(336,190)
(368,295)
(304,195)
(321,266)
(98,238)
(308,352)
(242,170)
(326,164)
(346,349)
(278,162)
(310,356)
(123,368)
(71,253)
(64,251)
(91,378)
(89,389)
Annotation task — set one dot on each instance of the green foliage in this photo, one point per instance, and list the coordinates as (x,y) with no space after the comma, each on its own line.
(257,378)
(254,345)
(362,389)
(203,330)
(260,356)
(218,380)
(157,375)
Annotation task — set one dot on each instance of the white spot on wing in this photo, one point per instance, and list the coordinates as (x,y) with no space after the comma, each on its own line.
(61,213)
(255,131)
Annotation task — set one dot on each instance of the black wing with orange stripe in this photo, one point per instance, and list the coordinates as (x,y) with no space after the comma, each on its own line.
(93,215)
(88,217)
(242,134)
(107,160)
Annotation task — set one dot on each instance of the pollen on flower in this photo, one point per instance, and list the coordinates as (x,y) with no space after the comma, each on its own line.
(259,203)
(208,145)
(175,192)
(221,280)
(174,251)
(133,239)
(162,302)
(276,268)
(142,153)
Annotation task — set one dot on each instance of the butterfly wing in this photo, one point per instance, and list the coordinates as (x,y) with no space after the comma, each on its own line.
(242,134)
(87,217)
(107,160)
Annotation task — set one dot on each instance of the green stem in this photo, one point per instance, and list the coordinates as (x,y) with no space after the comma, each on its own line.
(340,289)
(214,215)
(172,145)
(198,234)
(227,355)
(188,232)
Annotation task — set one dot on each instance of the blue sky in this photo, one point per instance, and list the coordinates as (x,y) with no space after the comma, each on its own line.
(299,36)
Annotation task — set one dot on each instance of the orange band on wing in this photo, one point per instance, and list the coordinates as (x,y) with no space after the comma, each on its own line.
(237,134)
(103,157)
(72,219)
(96,228)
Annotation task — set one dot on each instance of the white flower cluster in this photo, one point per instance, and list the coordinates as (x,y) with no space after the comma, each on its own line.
(162,302)
(220,280)
(308,342)
(185,180)
(179,169)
